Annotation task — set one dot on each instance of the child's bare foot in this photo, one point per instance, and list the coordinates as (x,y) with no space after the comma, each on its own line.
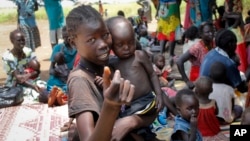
(60,97)
(52,96)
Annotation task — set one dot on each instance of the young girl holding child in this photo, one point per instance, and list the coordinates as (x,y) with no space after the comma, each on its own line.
(96,109)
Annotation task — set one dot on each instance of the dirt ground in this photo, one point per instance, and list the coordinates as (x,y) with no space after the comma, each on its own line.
(43,53)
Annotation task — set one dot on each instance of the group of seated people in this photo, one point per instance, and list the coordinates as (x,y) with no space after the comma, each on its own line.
(122,101)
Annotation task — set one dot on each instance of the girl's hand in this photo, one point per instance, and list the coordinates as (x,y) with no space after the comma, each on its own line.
(118,91)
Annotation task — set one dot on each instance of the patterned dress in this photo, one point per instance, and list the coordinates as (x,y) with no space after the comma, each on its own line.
(27,23)
(169,20)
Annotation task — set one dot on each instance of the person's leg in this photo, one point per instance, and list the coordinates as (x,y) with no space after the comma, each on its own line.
(53,38)
(162,45)
(171,52)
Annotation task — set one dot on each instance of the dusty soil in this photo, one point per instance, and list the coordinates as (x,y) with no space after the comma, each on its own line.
(43,53)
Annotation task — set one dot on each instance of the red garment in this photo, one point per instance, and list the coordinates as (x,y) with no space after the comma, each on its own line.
(194,73)
(77,60)
(208,124)
(171,36)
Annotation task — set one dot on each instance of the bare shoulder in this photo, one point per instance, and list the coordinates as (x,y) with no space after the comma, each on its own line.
(140,54)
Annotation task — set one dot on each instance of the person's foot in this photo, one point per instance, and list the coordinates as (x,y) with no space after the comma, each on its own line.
(52,96)
(172,60)
(60,98)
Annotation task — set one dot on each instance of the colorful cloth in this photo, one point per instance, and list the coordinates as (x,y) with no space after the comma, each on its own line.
(182,125)
(200,11)
(197,51)
(12,64)
(208,123)
(169,20)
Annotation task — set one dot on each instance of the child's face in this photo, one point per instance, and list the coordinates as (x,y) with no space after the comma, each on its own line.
(93,42)
(18,41)
(124,43)
(160,62)
(189,107)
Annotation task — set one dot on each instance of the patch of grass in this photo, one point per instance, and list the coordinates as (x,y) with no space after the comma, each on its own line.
(130,9)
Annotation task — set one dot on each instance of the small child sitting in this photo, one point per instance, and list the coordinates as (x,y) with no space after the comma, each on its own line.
(185,127)
(208,123)
(162,72)
(224,95)
(61,67)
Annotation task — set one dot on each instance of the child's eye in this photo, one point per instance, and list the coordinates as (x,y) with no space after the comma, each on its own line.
(106,36)
(119,45)
(92,40)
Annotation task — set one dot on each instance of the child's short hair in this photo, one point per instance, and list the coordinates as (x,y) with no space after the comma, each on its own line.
(218,72)
(81,15)
(59,57)
(120,13)
(191,33)
(203,86)
(157,57)
(180,94)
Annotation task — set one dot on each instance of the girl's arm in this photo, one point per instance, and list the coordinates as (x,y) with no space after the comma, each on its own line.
(119,92)
(180,65)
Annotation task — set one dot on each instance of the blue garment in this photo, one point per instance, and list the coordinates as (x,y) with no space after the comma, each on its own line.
(183,125)
(233,74)
(69,55)
(55,14)
(26,12)
(201,11)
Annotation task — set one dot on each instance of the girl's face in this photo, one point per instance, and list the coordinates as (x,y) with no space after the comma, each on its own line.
(18,41)
(189,107)
(208,33)
(160,62)
(124,43)
(93,41)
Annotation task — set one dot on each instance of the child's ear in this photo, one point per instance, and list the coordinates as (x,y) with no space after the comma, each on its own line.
(178,110)
(72,43)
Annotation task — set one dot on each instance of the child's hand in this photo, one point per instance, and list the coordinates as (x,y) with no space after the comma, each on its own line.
(118,91)
(190,84)
(193,121)
(99,81)
(159,102)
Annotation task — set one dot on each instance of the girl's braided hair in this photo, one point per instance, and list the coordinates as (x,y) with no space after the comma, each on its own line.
(81,15)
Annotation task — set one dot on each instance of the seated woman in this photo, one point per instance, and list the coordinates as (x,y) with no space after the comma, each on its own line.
(16,63)
(69,54)
(196,53)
